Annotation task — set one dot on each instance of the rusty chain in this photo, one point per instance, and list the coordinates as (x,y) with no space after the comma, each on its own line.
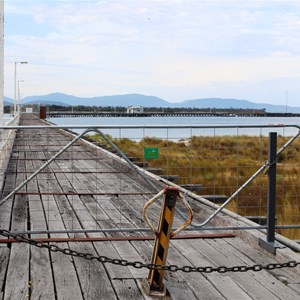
(139,265)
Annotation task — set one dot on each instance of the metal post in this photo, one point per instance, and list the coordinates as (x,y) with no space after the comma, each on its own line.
(15,89)
(153,285)
(1,60)
(271,219)
(269,243)
(15,85)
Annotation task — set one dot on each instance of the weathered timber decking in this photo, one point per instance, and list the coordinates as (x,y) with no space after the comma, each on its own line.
(85,188)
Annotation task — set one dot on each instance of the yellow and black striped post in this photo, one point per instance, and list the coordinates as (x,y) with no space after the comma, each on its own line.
(161,245)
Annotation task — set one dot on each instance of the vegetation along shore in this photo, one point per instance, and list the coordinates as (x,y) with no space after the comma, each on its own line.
(220,165)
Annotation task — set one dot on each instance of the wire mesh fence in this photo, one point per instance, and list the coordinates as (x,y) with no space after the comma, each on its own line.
(215,161)
(91,186)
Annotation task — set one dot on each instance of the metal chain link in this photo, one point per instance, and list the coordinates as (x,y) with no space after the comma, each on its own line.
(139,265)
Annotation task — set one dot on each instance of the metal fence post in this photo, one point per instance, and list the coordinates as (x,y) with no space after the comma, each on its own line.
(269,243)
(271,218)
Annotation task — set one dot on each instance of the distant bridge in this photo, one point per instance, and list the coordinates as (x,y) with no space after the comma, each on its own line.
(58,114)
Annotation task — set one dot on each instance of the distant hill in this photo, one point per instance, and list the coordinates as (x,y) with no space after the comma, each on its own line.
(235,103)
(152,101)
(116,100)
(8,101)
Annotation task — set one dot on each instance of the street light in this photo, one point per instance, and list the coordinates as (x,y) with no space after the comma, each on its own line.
(15,104)
(19,97)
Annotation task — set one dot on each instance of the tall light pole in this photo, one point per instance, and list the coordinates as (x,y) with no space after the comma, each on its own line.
(15,104)
(1,60)
(19,97)
(286,101)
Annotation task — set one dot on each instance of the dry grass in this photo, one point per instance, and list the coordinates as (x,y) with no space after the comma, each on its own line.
(222,164)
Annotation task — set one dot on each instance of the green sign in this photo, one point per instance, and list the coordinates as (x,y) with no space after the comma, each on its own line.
(150,153)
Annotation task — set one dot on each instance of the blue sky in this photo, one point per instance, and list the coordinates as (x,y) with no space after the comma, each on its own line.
(173,49)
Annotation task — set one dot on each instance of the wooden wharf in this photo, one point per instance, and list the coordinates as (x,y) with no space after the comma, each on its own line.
(88,188)
(76,114)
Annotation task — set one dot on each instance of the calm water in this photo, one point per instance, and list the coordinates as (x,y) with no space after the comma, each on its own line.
(183,133)
(6,118)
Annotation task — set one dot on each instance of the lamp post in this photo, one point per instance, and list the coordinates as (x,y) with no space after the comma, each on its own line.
(1,60)
(15,104)
(19,97)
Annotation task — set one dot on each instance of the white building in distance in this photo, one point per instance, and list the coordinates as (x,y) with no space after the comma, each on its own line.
(135,109)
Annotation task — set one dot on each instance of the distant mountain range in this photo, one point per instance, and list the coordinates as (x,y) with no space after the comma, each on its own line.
(149,101)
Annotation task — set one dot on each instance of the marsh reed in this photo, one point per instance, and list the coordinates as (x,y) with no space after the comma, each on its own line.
(222,164)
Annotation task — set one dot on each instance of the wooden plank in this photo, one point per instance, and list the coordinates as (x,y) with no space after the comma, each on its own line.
(94,280)
(126,251)
(8,186)
(85,210)
(66,280)
(18,272)
(107,182)
(198,282)
(180,290)
(18,266)
(36,210)
(114,214)
(41,274)
(244,280)
(114,271)
(268,279)
(204,286)
(40,263)
(295,287)
(105,249)
(132,208)
(201,258)
(230,288)
(92,204)
(128,182)
(87,271)
(6,208)
(70,218)
(127,289)
(85,218)
(89,211)
(4,259)
(118,204)
(286,275)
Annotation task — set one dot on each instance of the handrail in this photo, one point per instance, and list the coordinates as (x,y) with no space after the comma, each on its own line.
(120,152)
(192,126)
(97,128)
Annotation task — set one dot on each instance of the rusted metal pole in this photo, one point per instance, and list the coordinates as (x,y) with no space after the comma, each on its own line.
(153,285)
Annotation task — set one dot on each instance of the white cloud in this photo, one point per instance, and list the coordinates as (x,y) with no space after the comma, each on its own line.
(155,45)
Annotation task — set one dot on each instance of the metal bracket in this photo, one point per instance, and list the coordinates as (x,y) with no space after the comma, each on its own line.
(270,246)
